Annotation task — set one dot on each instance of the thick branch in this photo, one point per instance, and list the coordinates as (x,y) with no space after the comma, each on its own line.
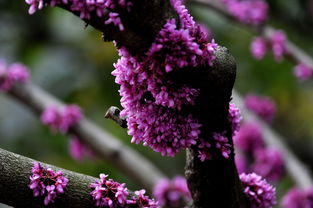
(14,179)
(215,183)
(104,144)
(297,170)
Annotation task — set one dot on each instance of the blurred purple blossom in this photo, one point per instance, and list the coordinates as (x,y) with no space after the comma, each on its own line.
(263,106)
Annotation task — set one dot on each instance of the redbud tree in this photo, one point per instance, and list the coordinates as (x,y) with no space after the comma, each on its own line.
(176,94)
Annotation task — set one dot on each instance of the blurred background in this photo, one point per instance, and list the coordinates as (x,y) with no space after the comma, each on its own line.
(72,63)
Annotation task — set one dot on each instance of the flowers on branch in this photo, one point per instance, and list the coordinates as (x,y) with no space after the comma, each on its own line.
(47,183)
(12,74)
(172,193)
(108,193)
(298,198)
(258,191)
(234,118)
(87,7)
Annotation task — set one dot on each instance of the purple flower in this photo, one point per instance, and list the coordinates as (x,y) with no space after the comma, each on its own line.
(298,198)
(174,48)
(34,5)
(222,143)
(173,193)
(70,116)
(114,18)
(253,12)
(9,75)
(61,120)
(258,48)
(108,193)
(140,200)
(47,183)
(278,41)
(51,117)
(269,164)
(76,148)
(258,191)
(303,72)
(204,151)
(234,118)
(261,105)
(249,138)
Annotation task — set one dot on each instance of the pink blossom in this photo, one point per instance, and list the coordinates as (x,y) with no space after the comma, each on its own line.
(76,148)
(258,48)
(45,182)
(249,138)
(278,41)
(269,164)
(234,118)
(172,193)
(258,191)
(303,72)
(108,193)
(261,105)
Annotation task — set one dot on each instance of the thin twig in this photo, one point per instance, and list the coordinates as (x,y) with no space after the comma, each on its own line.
(104,144)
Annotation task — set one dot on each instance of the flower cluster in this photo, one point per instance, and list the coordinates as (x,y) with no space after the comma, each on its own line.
(140,200)
(47,183)
(9,75)
(298,198)
(261,105)
(277,42)
(258,191)
(108,193)
(87,7)
(265,161)
(172,193)
(61,120)
(303,72)
(252,12)
(234,118)
(152,100)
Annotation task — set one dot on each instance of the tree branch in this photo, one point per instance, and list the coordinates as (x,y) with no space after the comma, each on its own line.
(208,181)
(298,171)
(14,180)
(294,53)
(214,182)
(131,163)
(142,23)
(295,168)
